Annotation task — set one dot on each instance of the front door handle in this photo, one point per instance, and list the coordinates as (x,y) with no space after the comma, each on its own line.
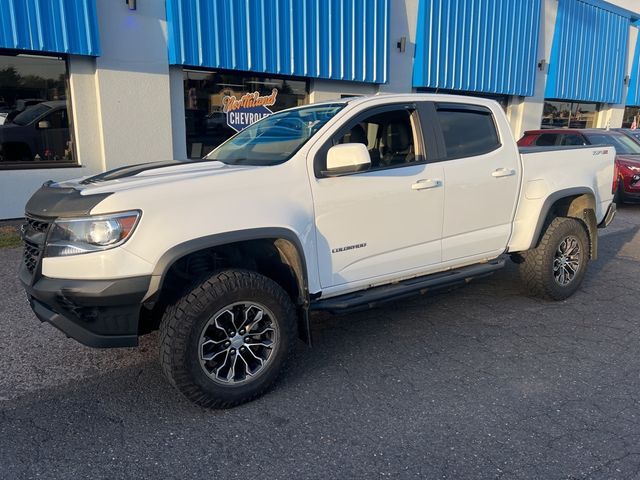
(427,183)
(503,172)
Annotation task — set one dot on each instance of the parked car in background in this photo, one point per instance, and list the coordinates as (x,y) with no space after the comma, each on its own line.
(627,153)
(39,133)
(635,133)
(21,106)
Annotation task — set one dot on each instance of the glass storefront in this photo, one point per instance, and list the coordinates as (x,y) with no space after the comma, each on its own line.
(558,114)
(34,112)
(217,104)
(631,115)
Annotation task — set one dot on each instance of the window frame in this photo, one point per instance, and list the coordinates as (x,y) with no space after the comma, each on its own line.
(320,159)
(462,107)
(45,165)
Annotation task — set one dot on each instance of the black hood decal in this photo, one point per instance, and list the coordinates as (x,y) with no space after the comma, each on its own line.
(54,202)
(133,170)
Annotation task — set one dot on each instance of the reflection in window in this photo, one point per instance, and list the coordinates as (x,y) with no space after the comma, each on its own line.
(206,123)
(631,116)
(34,113)
(569,114)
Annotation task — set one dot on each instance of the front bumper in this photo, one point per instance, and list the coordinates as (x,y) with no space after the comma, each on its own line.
(97,313)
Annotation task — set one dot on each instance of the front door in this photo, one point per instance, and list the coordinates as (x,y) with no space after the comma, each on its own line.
(385,221)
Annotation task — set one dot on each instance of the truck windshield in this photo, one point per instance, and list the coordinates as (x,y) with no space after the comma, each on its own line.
(276,138)
(624,145)
(30,114)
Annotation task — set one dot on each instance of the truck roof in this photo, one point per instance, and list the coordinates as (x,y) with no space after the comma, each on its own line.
(410,97)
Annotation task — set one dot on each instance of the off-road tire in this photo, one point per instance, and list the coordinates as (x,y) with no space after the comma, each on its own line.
(183,323)
(537,265)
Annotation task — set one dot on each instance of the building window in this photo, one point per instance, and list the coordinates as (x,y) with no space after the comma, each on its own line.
(631,116)
(558,114)
(34,113)
(218,104)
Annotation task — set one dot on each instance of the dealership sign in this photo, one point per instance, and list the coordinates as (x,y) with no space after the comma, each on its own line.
(249,108)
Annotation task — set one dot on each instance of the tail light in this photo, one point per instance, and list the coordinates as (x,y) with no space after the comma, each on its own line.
(616,177)
(527,140)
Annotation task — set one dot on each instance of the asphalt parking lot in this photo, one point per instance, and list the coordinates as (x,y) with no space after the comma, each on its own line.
(481,382)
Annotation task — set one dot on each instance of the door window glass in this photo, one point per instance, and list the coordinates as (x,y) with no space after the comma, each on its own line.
(34,112)
(467,132)
(547,140)
(623,144)
(572,140)
(388,137)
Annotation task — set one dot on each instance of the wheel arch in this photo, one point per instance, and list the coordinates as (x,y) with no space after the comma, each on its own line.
(262,242)
(578,203)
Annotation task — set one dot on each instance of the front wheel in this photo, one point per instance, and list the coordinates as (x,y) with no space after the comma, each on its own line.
(225,342)
(556,267)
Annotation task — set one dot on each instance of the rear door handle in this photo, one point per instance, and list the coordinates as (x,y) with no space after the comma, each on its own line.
(427,183)
(503,172)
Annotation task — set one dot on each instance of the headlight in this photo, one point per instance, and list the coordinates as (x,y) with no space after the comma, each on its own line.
(72,236)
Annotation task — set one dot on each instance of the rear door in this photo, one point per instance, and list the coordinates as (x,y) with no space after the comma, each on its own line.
(482,172)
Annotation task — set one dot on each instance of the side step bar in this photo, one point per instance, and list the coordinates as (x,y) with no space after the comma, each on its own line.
(375,296)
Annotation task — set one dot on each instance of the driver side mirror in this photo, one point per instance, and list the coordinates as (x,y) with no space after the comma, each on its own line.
(347,158)
(44,124)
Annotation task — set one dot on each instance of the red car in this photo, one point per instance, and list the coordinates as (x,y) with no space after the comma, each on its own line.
(627,184)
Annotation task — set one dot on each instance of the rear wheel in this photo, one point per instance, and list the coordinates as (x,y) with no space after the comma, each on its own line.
(226,341)
(555,268)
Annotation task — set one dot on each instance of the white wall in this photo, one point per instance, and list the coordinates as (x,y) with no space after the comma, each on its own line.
(632,5)
(325,90)
(403,23)
(133,83)
(525,113)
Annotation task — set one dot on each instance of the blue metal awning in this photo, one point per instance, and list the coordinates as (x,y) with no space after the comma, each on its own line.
(333,39)
(589,52)
(481,46)
(58,26)
(633,94)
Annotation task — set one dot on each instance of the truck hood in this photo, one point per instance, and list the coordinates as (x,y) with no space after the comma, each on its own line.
(146,174)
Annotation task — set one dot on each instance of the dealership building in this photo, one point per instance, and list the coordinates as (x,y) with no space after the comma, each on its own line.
(91,85)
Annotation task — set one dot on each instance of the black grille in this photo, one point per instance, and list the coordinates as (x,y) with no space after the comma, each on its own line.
(36,225)
(34,233)
(31,256)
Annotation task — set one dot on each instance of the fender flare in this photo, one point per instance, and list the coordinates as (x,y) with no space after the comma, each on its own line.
(268,233)
(588,218)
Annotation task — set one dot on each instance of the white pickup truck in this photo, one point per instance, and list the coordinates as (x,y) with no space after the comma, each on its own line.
(335,206)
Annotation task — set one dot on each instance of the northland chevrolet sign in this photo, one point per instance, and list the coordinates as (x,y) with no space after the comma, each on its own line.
(251,107)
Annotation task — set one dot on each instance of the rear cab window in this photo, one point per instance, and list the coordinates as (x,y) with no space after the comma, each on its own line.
(467,130)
